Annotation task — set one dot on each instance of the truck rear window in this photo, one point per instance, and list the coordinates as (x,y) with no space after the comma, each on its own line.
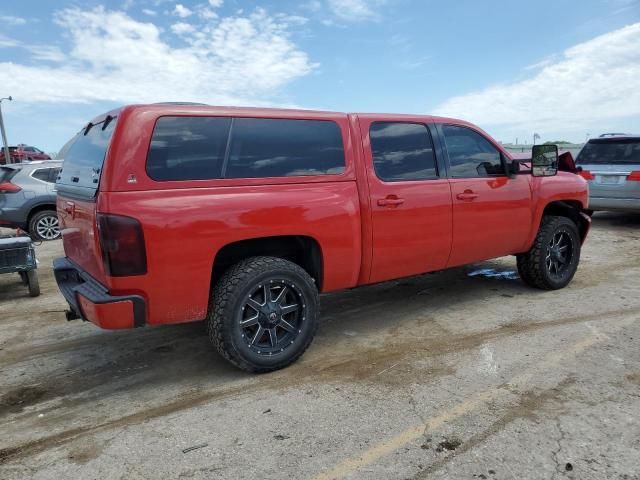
(263,147)
(84,158)
(610,151)
(199,148)
(188,148)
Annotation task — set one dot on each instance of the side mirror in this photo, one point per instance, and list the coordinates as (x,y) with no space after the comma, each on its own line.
(544,160)
(513,168)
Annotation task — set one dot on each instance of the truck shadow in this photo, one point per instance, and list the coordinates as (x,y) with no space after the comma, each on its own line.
(616,219)
(95,364)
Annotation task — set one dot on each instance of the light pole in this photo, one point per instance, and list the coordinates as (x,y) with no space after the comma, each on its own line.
(7,155)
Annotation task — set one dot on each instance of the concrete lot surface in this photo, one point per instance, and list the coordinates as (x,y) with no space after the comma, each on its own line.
(441,376)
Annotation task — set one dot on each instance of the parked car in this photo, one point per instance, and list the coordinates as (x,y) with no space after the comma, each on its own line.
(611,166)
(23,153)
(28,198)
(240,216)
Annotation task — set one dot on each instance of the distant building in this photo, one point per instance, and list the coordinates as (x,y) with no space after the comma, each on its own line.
(574,148)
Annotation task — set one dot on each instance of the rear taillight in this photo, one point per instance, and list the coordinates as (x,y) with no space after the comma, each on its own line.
(634,176)
(586,174)
(122,242)
(8,187)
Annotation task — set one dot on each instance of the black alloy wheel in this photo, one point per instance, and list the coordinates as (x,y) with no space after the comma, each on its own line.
(263,313)
(559,254)
(272,317)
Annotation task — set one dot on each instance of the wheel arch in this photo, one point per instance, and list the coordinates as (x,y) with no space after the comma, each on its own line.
(572,209)
(39,208)
(302,250)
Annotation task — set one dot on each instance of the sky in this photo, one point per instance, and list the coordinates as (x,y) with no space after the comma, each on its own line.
(562,69)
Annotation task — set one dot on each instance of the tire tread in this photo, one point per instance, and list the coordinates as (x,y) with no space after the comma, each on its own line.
(531,265)
(225,294)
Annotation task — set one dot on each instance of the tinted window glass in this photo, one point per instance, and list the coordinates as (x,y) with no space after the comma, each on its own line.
(43,174)
(282,148)
(83,161)
(7,173)
(53,174)
(402,151)
(188,148)
(470,154)
(65,148)
(620,151)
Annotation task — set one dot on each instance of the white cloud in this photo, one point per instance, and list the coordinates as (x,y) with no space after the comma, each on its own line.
(148,11)
(206,13)
(238,60)
(47,53)
(216,3)
(182,11)
(589,85)
(312,5)
(6,42)
(11,20)
(182,28)
(355,10)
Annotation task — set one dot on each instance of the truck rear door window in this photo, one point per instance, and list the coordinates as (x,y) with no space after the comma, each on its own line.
(188,148)
(402,151)
(82,168)
(263,147)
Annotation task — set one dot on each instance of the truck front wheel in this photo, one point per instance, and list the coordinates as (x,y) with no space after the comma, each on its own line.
(263,314)
(553,259)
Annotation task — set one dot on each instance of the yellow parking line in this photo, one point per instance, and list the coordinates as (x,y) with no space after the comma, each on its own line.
(378,451)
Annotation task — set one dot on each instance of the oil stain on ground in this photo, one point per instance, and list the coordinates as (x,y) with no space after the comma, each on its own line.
(16,400)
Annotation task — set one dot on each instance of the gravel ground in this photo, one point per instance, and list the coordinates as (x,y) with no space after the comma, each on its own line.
(440,376)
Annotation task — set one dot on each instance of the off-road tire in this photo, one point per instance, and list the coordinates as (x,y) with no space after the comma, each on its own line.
(228,297)
(36,218)
(532,265)
(33,283)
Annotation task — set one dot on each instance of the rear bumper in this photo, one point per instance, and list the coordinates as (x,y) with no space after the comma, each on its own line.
(90,300)
(607,203)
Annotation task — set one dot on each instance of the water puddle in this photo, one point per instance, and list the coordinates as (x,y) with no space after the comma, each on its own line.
(493,273)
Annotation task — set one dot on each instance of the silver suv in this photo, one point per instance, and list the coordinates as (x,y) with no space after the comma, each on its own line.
(28,198)
(611,166)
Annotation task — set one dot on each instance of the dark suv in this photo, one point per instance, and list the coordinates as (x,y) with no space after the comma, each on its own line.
(28,198)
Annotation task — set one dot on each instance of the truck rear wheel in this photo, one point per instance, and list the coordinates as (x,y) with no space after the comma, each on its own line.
(553,259)
(263,314)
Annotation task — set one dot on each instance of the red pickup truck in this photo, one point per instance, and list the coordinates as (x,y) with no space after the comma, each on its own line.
(239,217)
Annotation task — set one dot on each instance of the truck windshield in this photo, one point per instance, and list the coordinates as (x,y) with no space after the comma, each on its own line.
(83,160)
(610,151)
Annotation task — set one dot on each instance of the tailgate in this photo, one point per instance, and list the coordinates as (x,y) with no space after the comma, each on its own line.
(613,181)
(79,234)
(78,195)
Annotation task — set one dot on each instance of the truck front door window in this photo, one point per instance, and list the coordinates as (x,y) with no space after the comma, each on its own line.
(470,154)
